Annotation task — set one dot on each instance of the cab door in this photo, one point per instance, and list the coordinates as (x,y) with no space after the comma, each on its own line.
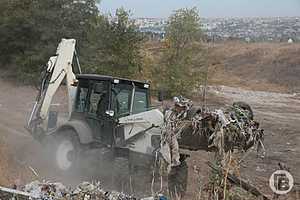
(98,104)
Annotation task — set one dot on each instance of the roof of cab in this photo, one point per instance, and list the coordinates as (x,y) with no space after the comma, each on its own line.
(106,78)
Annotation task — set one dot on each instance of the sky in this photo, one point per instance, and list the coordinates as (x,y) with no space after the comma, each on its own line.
(207,8)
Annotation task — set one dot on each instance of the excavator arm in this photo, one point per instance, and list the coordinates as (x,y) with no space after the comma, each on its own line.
(59,67)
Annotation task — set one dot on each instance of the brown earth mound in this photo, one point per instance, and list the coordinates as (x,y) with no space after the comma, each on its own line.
(258,66)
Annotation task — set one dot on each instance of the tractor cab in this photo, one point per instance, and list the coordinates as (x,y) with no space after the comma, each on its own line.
(102,100)
(105,96)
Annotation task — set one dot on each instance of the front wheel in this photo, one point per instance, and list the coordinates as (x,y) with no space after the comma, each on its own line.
(64,148)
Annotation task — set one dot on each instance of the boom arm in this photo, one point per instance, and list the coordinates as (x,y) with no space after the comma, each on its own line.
(59,67)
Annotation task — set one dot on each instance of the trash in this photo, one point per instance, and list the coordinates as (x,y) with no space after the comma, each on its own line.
(37,190)
(8,193)
(33,171)
(230,133)
(221,130)
(238,181)
(46,190)
(157,197)
(258,169)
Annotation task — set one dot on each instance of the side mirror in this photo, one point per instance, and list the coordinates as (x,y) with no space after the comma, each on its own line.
(161,95)
(110,113)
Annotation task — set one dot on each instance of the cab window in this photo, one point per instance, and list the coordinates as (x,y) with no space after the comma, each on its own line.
(81,99)
(140,102)
(121,98)
(99,98)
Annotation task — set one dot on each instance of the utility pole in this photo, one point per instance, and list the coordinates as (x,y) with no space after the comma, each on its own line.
(205,84)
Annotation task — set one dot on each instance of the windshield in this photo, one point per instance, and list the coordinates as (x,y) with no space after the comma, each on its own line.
(82,92)
(122,98)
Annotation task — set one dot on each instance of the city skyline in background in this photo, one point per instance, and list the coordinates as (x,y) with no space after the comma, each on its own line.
(207,8)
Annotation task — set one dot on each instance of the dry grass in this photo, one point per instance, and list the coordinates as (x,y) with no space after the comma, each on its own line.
(258,66)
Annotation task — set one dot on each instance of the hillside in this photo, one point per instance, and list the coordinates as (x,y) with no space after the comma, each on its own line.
(258,66)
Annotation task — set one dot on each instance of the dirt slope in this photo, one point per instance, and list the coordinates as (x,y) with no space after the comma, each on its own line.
(260,66)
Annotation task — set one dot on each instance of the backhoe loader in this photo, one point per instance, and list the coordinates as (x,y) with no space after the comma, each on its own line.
(111,114)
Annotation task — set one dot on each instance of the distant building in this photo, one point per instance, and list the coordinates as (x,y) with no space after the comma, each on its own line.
(247,39)
(290,41)
(279,29)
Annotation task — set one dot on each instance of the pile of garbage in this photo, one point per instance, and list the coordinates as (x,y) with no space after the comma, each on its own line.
(229,129)
(220,130)
(37,190)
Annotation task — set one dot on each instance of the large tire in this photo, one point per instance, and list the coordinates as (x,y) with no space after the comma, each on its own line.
(121,174)
(64,148)
(177,181)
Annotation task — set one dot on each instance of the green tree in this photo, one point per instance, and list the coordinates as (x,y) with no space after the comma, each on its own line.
(184,54)
(121,46)
(30,31)
(183,28)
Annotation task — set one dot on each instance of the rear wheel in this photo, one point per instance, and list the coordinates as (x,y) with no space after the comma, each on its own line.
(177,181)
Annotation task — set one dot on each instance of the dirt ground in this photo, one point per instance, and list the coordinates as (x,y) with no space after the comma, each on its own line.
(264,75)
(278,113)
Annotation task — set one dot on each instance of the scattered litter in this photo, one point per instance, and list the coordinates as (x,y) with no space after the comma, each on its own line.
(46,190)
(258,169)
(157,197)
(37,190)
(33,171)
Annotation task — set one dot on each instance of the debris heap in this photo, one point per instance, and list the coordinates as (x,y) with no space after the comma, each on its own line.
(218,130)
(57,191)
(223,131)
(226,130)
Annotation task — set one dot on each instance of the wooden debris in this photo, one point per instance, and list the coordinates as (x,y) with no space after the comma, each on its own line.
(7,193)
(239,182)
